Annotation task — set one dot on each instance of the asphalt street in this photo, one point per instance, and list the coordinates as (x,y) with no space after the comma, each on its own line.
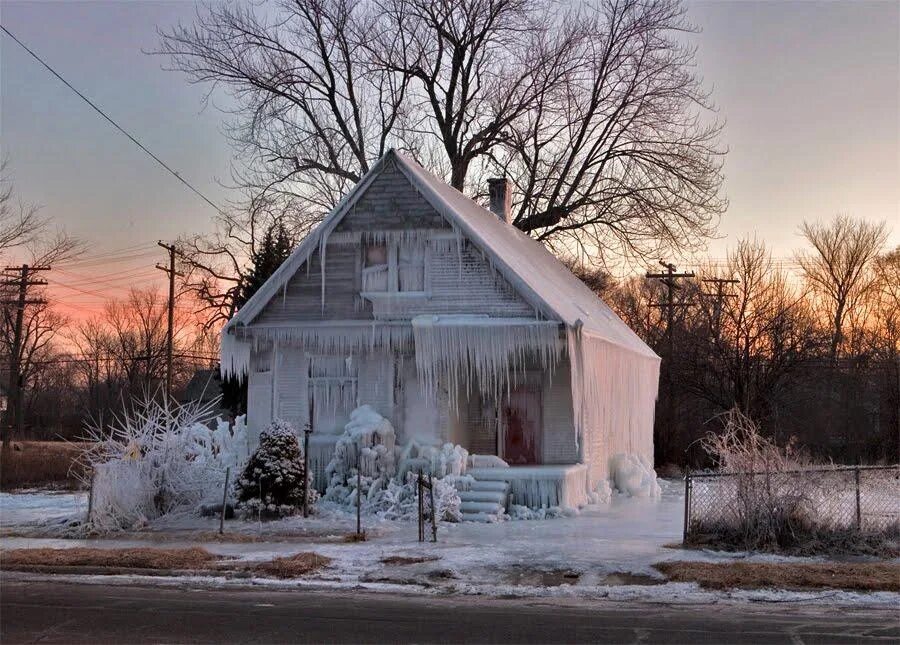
(60,612)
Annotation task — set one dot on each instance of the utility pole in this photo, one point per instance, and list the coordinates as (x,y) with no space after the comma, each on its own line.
(670,279)
(15,413)
(170,332)
(720,295)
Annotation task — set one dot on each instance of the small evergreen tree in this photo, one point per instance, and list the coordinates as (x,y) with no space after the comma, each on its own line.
(272,481)
(274,248)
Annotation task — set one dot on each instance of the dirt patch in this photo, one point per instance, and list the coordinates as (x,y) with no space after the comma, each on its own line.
(523,576)
(138,558)
(41,463)
(403,559)
(356,537)
(858,576)
(293,566)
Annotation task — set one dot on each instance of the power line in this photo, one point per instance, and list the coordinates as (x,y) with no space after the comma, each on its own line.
(108,118)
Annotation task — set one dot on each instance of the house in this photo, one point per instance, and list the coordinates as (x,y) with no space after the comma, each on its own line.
(205,390)
(455,326)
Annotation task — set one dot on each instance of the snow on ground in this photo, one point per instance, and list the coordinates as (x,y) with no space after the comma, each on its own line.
(604,552)
(32,507)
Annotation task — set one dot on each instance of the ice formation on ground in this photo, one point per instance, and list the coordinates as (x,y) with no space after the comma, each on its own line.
(634,475)
(387,473)
(158,459)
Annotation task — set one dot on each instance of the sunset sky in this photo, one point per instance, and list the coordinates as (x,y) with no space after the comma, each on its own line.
(810,93)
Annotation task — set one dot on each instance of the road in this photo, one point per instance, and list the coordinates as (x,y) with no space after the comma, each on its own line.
(72,613)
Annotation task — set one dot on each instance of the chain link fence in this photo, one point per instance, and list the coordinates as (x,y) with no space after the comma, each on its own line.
(865,499)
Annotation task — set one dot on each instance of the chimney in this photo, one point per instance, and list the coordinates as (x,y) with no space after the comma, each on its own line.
(500,191)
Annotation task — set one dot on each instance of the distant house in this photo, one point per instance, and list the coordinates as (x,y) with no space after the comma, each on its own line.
(454,325)
(204,388)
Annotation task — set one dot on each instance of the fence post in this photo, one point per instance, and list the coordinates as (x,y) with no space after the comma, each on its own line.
(90,512)
(687,504)
(858,506)
(358,496)
(433,509)
(224,501)
(306,430)
(421,506)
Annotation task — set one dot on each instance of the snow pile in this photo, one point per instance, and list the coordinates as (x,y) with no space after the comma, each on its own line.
(272,483)
(602,493)
(156,460)
(486,461)
(633,475)
(520,512)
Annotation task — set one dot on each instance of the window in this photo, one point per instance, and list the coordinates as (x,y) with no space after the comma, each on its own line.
(411,267)
(392,268)
(332,392)
(375,273)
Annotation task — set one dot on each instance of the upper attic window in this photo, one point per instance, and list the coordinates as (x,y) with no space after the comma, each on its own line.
(397,267)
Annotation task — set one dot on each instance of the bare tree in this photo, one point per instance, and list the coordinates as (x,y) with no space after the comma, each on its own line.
(746,345)
(595,112)
(838,269)
(20,222)
(617,157)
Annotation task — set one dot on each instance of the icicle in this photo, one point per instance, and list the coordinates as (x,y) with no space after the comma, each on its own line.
(613,398)
(465,351)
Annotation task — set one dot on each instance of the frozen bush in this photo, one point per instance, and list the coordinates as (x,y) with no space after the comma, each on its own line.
(272,483)
(158,459)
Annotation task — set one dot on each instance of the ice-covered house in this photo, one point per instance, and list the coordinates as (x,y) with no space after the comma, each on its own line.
(455,326)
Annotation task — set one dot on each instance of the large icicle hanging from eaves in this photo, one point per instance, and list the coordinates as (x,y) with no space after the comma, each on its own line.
(613,399)
(343,339)
(462,351)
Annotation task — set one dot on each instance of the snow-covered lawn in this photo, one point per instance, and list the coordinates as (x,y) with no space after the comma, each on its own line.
(606,551)
(38,507)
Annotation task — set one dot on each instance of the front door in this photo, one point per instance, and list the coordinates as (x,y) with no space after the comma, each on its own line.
(522,426)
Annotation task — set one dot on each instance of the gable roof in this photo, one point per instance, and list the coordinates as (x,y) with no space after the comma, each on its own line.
(530,268)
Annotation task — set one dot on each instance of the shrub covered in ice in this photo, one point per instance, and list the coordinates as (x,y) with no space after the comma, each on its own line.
(158,459)
(272,482)
(368,443)
(633,475)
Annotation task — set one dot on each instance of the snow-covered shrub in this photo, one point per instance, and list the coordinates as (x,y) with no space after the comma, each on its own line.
(386,490)
(770,499)
(367,442)
(272,484)
(157,459)
(633,475)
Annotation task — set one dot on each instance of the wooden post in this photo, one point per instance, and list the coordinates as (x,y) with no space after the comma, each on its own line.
(687,504)
(358,497)
(421,506)
(306,431)
(433,509)
(224,501)
(90,512)
(858,506)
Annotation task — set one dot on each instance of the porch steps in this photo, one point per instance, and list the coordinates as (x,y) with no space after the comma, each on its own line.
(484,501)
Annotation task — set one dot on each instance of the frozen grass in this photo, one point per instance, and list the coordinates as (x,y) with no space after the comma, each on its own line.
(136,558)
(41,463)
(293,566)
(867,576)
